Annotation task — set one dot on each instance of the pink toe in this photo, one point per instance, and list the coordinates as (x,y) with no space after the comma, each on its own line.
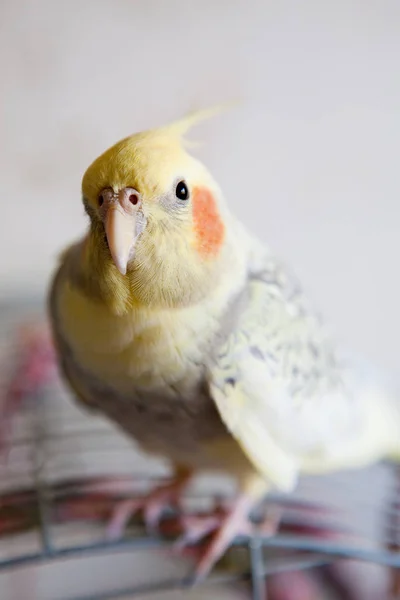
(119,520)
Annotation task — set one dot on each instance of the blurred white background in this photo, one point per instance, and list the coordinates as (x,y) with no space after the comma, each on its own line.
(309,159)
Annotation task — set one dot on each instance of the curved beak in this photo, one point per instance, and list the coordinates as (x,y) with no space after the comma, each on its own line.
(121,226)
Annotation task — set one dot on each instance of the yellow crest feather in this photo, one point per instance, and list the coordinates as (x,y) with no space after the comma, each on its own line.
(181,126)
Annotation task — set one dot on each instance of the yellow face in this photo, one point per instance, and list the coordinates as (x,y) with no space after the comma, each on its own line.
(159,210)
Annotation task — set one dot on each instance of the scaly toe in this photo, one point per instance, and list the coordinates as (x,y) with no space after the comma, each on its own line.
(157,504)
(195,529)
(236,522)
(222,540)
(120,518)
(152,505)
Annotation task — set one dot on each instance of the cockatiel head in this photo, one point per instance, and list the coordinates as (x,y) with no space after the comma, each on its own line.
(158,233)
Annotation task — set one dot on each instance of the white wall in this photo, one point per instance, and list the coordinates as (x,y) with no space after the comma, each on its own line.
(309,160)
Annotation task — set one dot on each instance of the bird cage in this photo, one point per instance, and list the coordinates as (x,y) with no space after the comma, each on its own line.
(64,469)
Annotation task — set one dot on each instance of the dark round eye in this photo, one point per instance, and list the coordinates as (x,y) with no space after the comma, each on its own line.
(182,191)
(133,199)
(100,200)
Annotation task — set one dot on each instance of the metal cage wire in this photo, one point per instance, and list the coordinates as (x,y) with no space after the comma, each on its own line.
(58,472)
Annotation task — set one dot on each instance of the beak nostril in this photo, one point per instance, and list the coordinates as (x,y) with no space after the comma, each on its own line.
(133,199)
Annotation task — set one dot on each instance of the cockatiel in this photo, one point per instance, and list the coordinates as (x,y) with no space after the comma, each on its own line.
(185,330)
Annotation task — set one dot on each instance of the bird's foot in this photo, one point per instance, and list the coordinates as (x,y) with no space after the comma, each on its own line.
(152,506)
(225,525)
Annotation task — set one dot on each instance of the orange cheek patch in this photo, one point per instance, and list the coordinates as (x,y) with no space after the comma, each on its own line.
(209,228)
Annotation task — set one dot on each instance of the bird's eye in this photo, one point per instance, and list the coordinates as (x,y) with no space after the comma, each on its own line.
(133,199)
(100,200)
(182,191)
